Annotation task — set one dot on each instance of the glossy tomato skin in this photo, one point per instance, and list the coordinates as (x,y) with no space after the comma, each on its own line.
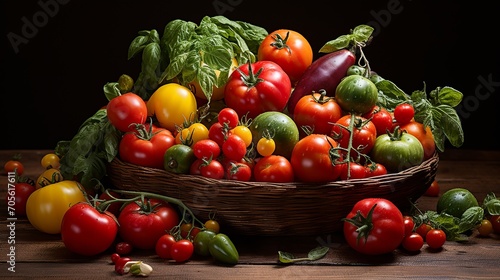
(125,110)
(86,231)
(381,118)
(273,168)
(413,242)
(387,229)
(317,111)
(397,153)
(311,159)
(364,134)
(435,238)
(143,224)
(352,170)
(46,206)
(17,197)
(356,94)
(147,151)
(172,104)
(433,189)
(258,87)
(495,223)
(424,135)
(14,166)
(289,49)
(164,245)
(182,250)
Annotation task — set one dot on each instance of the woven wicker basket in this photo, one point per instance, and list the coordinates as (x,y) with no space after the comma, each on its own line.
(275,209)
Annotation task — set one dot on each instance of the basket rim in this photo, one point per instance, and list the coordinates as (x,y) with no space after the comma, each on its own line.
(376,180)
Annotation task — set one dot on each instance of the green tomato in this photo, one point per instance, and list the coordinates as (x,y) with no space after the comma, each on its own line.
(223,249)
(397,151)
(201,242)
(356,70)
(178,159)
(356,94)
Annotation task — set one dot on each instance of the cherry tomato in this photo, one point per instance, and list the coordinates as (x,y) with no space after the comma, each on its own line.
(218,133)
(364,134)
(433,189)
(409,225)
(206,149)
(212,169)
(381,118)
(212,225)
(495,223)
(192,134)
(234,147)
(238,171)
(123,248)
(244,132)
(403,113)
(229,117)
(273,168)
(120,265)
(125,110)
(423,229)
(14,165)
(182,250)
(352,170)
(17,197)
(435,238)
(188,228)
(413,242)
(375,169)
(485,228)
(50,160)
(289,49)
(163,246)
(266,146)
(115,257)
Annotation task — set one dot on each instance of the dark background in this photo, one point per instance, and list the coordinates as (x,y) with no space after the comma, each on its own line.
(53,81)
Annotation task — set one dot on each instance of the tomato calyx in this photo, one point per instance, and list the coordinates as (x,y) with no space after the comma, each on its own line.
(280,43)
(252,79)
(323,98)
(364,224)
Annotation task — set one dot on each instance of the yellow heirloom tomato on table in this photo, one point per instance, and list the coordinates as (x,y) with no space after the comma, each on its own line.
(46,206)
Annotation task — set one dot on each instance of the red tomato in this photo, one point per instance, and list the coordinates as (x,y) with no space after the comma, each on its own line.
(229,117)
(123,248)
(18,196)
(364,134)
(355,171)
(234,147)
(217,132)
(273,168)
(212,169)
(164,245)
(423,229)
(256,88)
(435,238)
(125,110)
(433,189)
(182,250)
(312,161)
(413,242)
(403,113)
(142,224)
(495,223)
(425,136)
(317,111)
(289,49)
(409,224)
(238,171)
(188,228)
(381,118)
(375,169)
(374,226)
(14,165)
(206,149)
(146,146)
(115,206)
(86,231)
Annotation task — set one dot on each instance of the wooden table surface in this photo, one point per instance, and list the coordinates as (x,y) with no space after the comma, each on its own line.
(39,255)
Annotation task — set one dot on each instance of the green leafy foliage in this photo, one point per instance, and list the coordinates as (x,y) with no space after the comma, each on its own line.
(313,255)
(188,51)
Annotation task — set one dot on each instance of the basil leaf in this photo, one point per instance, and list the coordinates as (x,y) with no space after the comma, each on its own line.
(471,218)
(449,96)
(111,90)
(362,33)
(285,257)
(491,204)
(317,253)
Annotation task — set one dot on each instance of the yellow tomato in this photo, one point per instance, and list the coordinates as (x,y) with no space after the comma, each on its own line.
(50,160)
(244,132)
(49,176)
(46,206)
(172,104)
(194,133)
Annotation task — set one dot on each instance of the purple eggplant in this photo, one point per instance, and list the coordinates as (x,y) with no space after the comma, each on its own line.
(324,73)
